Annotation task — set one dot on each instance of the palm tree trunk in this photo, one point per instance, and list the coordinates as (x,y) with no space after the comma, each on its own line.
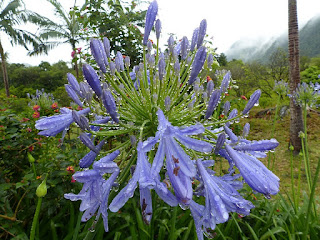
(296,122)
(4,71)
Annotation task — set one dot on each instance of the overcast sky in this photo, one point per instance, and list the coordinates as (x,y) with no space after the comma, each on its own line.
(228,21)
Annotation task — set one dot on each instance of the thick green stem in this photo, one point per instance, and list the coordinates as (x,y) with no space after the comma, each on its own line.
(35,219)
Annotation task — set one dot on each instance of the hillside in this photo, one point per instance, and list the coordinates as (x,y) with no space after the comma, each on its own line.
(260,50)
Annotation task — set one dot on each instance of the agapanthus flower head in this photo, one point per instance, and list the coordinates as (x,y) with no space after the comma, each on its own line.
(281,87)
(150,18)
(156,115)
(305,95)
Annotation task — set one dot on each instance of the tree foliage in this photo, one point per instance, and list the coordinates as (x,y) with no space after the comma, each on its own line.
(118,21)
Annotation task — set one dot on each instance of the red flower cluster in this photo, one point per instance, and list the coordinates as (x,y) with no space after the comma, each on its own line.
(36,115)
(70,169)
(54,105)
(36,107)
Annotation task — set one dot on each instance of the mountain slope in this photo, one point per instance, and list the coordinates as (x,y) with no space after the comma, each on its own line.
(261,51)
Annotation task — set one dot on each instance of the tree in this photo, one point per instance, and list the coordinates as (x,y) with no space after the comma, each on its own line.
(12,15)
(119,21)
(296,122)
(65,32)
(279,66)
(222,59)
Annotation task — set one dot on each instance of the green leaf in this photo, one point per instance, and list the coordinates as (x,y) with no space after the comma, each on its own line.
(271,233)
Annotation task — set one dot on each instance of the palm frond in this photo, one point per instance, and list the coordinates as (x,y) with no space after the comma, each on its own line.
(59,10)
(10,9)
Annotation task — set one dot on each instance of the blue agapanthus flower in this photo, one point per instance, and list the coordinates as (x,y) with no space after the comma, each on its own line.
(161,116)
(51,126)
(95,191)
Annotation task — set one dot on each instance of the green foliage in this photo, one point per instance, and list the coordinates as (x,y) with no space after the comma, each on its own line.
(310,74)
(119,21)
(25,79)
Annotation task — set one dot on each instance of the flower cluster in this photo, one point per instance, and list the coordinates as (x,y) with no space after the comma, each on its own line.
(306,94)
(167,110)
(280,87)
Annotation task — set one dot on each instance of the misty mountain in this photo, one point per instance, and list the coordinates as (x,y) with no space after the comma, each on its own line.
(260,50)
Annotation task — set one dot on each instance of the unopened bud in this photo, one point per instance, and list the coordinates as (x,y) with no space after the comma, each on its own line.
(42,189)
(31,158)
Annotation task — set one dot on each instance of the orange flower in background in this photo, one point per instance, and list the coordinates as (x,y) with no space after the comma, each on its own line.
(70,169)
(31,148)
(36,115)
(227,94)
(25,120)
(209,78)
(54,105)
(244,97)
(36,107)
(56,110)
(38,177)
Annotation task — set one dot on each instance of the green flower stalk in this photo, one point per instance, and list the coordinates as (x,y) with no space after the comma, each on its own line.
(40,192)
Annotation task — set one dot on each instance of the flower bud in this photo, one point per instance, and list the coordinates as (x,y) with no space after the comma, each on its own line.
(226,107)
(254,99)
(99,54)
(149,46)
(112,66)
(210,87)
(246,130)
(184,48)
(158,28)
(197,64)
(42,189)
(171,43)
(106,44)
(31,158)
(92,78)
(220,141)
(74,83)
(213,102)
(167,103)
(194,39)
(210,60)
(162,68)
(72,94)
(202,32)
(176,68)
(127,61)
(150,18)
(110,105)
